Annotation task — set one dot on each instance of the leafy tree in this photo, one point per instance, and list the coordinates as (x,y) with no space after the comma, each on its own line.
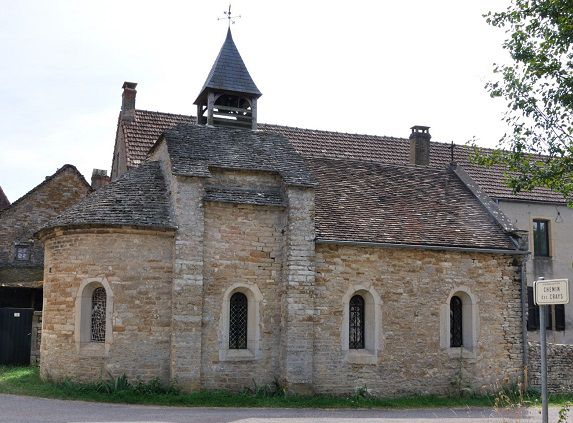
(538,87)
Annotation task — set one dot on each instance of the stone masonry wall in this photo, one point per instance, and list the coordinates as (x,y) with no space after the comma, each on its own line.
(138,267)
(36,338)
(559,367)
(413,286)
(297,293)
(19,222)
(243,244)
(187,288)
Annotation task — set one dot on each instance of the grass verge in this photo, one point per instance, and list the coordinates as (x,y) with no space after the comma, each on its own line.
(26,381)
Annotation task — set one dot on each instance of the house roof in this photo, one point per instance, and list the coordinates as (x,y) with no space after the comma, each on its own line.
(142,133)
(194,148)
(396,204)
(64,168)
(4,202)
(138,199)
(229,73)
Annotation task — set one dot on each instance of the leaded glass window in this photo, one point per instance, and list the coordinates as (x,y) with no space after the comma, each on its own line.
(238,316)
(456,323)
(356,320)
(98,307)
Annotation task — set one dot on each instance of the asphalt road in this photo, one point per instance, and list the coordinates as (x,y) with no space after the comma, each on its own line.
(18,409)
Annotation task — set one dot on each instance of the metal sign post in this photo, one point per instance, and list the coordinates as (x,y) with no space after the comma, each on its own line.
(543,347)
(547,292)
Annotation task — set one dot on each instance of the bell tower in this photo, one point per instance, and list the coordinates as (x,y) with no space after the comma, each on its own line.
(229,95)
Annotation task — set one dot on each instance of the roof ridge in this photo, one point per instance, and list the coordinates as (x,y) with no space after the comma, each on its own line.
(165,113)
(326,131)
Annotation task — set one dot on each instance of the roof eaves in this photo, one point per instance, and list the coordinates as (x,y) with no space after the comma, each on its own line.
(45,231)
(421,246)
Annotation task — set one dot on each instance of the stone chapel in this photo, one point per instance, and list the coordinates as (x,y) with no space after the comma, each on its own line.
(225,255)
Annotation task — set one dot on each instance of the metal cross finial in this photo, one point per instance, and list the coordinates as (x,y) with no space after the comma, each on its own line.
(451,147)
(229,16)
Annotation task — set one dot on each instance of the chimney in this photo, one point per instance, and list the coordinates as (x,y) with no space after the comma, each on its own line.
(128,100)
(100,179)
(420,145)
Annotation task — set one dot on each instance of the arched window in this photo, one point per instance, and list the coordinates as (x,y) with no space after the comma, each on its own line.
(238,321)
(93,332)
(356,322)
(97,317)
(456,322)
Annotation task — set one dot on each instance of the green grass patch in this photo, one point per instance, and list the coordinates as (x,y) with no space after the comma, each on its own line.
(26,381)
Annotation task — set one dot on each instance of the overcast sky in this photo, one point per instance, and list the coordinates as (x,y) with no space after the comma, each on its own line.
(374,67)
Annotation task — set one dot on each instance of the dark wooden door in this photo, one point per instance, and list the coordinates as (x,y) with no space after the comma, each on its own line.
(15,335)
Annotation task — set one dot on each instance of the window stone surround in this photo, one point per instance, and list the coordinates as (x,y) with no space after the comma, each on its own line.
(470,324)
(254,298)
(84,345)
(373,335)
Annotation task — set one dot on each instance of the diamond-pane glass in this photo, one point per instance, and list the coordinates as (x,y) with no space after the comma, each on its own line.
(356,320)
(456,336)
(98,315)
(238,313)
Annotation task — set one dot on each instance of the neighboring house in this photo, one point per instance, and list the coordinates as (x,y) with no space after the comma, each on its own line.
(3,200)
(222,255)
(22,257)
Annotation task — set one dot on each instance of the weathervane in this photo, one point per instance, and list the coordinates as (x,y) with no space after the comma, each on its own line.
(229,16)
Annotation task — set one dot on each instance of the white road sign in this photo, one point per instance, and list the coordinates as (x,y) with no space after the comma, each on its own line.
(551,291)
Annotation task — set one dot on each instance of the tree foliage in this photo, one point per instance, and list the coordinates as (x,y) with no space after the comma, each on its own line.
(538,87)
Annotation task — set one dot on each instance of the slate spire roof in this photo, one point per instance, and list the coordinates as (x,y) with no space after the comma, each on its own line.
(229,72)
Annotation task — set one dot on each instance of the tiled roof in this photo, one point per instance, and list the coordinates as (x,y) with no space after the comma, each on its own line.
(147,126)
(3,200)
(383,149)
(229,72)
(386,203)
(138,198)
(194,148)
(141,133)
(355,200)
